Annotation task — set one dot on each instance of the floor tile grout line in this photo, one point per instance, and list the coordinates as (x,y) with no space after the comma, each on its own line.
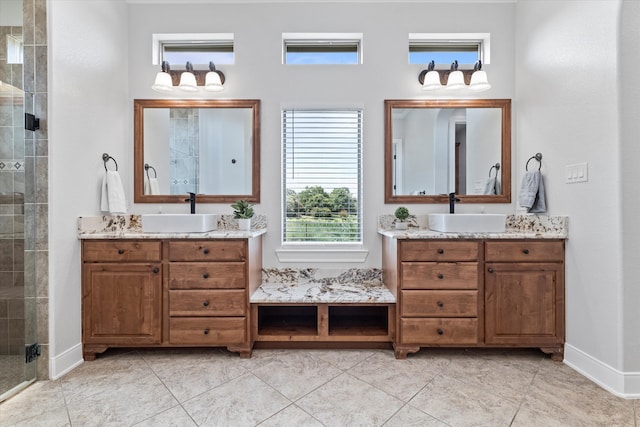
(526,393)
(170,392)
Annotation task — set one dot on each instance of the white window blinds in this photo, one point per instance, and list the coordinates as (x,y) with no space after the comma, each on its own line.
(322,175)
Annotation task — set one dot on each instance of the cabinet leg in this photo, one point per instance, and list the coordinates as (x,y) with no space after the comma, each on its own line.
(557,353)
(244,351)
(89,352)
(401,352)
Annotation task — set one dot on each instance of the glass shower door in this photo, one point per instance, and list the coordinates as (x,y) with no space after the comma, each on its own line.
(17,296)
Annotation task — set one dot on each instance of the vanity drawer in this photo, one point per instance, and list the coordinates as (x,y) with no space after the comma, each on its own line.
(121,250)
(207,330)
(207,303)
(207,250)
(439,303)
(523,251)
(439,331)
(207,275)
(438,250)
(436,275)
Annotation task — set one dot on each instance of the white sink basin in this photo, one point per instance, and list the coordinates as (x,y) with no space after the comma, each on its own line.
(468,223)
(179,223)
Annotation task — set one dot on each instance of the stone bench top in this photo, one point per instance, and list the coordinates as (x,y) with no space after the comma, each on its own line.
(318,286)
(323,292)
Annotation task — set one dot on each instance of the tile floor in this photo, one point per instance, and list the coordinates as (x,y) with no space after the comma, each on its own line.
(205,387)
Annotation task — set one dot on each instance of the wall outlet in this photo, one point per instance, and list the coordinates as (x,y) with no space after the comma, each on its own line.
(576,173)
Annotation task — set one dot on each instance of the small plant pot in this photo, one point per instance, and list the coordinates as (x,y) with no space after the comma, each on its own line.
(244,223)
(401,225)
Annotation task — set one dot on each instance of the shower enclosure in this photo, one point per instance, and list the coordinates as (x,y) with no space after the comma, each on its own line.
(18,347)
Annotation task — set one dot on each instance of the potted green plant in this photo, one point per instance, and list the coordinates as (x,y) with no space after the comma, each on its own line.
(243,212)
(401,215)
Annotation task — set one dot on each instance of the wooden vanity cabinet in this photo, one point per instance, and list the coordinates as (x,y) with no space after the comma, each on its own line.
(477,293)
(524,295)
(121,294)
(168,293)
(438,294)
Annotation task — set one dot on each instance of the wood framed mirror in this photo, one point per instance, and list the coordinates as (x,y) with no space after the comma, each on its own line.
(435,147)
(207,147)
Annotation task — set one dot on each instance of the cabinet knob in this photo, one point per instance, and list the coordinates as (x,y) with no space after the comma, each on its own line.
(490,270)
(440,304)
(206,331)
(206,251)
(525,251)
(440,332)
(441,251)
(120,251)
(205,276)
(440,276)
(155,270)
(206,303)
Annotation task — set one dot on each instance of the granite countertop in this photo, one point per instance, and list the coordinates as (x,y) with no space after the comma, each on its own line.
(309,285)
(517,227)
(130,227)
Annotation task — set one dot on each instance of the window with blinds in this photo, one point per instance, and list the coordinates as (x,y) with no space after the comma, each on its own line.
(322,175)
(444,48)
(322,48)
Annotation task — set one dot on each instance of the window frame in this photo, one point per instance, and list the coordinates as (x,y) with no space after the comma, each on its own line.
(307,251)
(445,40)
(322,41)
(159,40)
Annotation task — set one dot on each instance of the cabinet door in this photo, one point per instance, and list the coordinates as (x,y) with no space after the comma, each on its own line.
(121,303)
(524,303)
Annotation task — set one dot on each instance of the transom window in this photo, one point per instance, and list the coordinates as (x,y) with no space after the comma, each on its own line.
(329,48)
(199,49)
(442,48)
(322,175)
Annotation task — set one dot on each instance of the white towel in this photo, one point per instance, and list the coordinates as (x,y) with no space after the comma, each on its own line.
(492,186)
(532,194)
(154,186)
(113,200)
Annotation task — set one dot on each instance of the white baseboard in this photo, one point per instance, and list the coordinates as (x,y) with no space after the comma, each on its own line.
(622,384)
(65,362)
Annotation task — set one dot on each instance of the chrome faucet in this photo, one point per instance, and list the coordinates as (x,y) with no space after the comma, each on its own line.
(192,202)
(452,202)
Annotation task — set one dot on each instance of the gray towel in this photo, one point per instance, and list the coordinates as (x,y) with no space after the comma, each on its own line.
(532,194)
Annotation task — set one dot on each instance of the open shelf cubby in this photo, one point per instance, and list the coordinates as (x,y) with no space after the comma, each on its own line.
(323,322)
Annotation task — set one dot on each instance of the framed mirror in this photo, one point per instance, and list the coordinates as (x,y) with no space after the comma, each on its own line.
(436,147)
(207,147)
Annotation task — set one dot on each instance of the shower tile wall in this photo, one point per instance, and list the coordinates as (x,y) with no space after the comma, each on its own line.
(36,151)
(184,150)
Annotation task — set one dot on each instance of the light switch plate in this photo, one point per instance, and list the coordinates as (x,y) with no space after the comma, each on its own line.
(576,173)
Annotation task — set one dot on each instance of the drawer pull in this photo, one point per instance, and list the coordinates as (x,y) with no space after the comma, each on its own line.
(490,270)
(440,276)
(156,270)
(440,304)
(206,331)
(440,332)
(525,251)
(206,251)
(120,251)
(440,251)
(205,276)
(206,303)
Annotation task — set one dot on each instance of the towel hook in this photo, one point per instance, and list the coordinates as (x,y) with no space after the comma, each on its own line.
(106,158)
(538,157)
(147,166)
(496,167)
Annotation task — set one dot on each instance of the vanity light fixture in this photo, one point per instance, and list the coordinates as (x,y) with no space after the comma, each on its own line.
(456,78)
(453,79)
(214,79)
(191,80)
(163,81)
(188,80)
